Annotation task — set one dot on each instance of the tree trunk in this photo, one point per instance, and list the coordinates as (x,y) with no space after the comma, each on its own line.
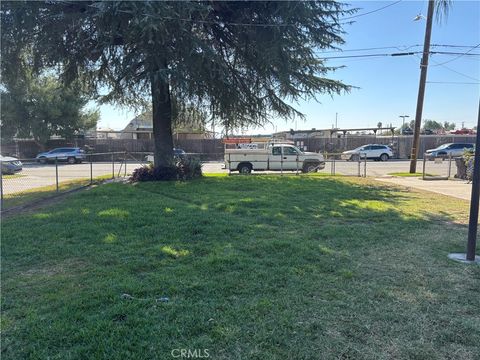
(162,118)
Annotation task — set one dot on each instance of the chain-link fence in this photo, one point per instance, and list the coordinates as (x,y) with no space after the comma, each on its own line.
(28,180)
(439,167)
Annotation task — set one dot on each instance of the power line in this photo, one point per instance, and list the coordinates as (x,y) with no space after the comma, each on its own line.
(455,71)
(391,54)
(401,48)
(459,73)
(453,82)
(454,53)
(398,47)
(453,46)
(460,55)
(370,55)
(268,25)
(371,12)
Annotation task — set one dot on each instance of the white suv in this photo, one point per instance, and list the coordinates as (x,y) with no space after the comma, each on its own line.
(370,151)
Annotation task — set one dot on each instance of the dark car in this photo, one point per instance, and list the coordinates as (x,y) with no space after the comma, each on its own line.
(427,132)
(10,165)
(407,131)
(71,155)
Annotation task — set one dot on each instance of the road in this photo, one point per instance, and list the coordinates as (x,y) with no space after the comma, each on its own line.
(36,175)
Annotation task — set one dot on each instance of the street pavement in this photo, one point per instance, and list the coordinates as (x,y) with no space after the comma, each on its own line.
(456,188)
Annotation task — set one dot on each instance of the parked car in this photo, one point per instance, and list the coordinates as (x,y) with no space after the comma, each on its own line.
(71,155)
(451,149)
(427,132)
(370,151)
(407,131)
(178,154)
(10,165)
(278,157)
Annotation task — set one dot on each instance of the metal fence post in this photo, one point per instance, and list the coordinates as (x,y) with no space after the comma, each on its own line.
(229,171)
(1,187)
(281,161)
(125,157)
(359,165)
(91,171)
(56,172)
(449,165)
(113,167)
(365,167)
(423,171)
(297,164)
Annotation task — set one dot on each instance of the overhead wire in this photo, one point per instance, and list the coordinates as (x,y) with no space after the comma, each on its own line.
(340,21)
(460,55)
(390,54)
(452,46)
(455,53)
(371,12)
(452,70)
(453,82)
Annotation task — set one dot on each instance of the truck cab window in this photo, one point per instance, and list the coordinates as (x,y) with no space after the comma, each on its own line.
(276,150)
(289,151)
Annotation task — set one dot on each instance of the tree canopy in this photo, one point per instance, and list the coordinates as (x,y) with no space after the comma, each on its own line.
(244,61)
(40,107)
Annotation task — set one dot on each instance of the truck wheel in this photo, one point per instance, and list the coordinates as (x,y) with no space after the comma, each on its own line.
(310,167)
(384,157)
(355,157)
(245,168)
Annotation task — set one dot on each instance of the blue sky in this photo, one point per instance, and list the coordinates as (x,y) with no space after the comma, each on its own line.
(388,86)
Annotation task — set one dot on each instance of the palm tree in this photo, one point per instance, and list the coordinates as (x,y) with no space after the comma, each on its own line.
(441,8)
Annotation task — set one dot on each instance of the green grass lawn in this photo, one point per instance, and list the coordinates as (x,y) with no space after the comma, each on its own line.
(264,267)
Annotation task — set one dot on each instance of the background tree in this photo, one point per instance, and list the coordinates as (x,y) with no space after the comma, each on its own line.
(40,107)
(241,60)
(432,125)
(449,126)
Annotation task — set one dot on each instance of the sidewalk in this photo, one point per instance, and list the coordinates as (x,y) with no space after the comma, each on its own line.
(455,188)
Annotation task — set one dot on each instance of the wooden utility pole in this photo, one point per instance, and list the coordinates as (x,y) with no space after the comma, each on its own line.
(473,223)
(421,87)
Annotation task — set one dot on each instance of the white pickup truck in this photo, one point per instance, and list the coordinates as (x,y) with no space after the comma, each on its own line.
(277,157)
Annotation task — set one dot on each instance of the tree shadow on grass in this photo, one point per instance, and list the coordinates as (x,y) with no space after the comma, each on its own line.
(265,267)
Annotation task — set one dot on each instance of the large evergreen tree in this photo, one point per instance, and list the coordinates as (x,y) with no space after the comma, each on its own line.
(245,61)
